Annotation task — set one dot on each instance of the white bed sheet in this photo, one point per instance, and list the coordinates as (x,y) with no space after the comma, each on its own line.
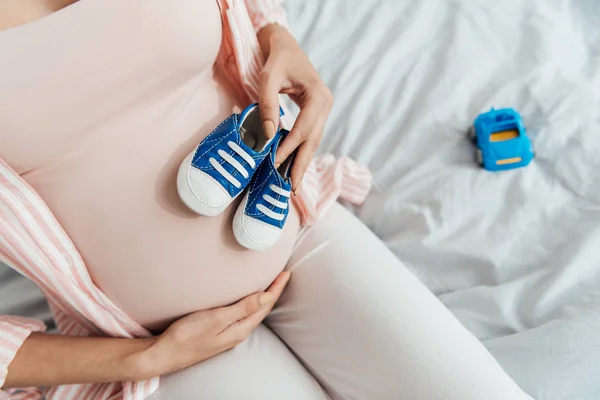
(514,255)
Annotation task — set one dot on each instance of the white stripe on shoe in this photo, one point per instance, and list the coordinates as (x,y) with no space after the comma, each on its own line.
(274,202)
(269,213)
(224,172)
(242,153)
(279,191)
(235,163)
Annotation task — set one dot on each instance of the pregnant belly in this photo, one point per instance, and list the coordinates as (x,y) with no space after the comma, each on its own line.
(116,197)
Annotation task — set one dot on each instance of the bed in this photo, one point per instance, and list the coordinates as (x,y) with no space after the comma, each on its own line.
(514,255)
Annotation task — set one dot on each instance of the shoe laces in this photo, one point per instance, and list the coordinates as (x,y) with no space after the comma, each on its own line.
(228,158)
(281,205)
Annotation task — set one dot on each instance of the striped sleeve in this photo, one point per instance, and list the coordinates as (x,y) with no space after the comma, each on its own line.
(23,394)
(327,180)
(13,332)
(265,12)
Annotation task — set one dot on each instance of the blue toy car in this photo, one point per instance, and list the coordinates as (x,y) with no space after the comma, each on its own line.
(501,140)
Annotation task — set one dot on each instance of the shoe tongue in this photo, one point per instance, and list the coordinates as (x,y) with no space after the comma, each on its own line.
(285,168)
(256,141)
(251,131)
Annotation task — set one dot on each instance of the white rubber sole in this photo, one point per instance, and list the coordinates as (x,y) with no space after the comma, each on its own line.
(189,198)
(241,234)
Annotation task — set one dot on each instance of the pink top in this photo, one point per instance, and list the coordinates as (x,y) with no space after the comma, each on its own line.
(31,238)
(104,153)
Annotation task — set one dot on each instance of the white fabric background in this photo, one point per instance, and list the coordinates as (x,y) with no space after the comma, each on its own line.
(514,255)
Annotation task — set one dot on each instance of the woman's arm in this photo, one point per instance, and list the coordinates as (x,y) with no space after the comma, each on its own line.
(51,360)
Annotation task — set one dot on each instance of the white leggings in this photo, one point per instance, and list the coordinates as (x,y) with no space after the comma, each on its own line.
(353,324)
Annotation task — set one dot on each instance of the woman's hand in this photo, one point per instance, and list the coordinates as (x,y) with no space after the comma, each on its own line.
(288,70)
(52,360)
(204,334)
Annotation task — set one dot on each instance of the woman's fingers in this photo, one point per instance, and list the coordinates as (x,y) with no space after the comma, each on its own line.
(269,85)
(279,284)
(306,133)
(305,153)
(239,330)
(226,316)
(301,131)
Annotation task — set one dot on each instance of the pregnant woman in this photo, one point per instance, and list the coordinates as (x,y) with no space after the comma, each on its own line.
(100,101)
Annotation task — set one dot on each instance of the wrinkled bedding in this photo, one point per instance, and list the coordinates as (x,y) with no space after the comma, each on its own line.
(514,255)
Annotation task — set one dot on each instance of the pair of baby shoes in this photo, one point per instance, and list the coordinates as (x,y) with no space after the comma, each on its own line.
(237,156)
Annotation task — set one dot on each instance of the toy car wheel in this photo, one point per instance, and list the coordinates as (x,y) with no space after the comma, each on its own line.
(471,134)
(479,155)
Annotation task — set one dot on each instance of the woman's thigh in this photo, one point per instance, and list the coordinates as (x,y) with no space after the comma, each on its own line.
(368,329)
(260,368)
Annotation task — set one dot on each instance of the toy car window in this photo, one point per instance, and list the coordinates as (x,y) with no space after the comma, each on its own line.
(504,117)
(503,136)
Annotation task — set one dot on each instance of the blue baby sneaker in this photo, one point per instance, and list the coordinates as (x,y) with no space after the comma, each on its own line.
(223,164)
(260,218)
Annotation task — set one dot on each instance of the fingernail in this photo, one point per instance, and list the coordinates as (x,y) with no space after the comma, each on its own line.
(265,298)
(269,129)
(277,164)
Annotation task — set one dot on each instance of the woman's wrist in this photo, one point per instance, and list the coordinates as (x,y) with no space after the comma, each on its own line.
(159,357)
(142,363)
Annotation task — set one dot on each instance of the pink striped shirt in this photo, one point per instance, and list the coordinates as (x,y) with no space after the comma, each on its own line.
(33,243)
